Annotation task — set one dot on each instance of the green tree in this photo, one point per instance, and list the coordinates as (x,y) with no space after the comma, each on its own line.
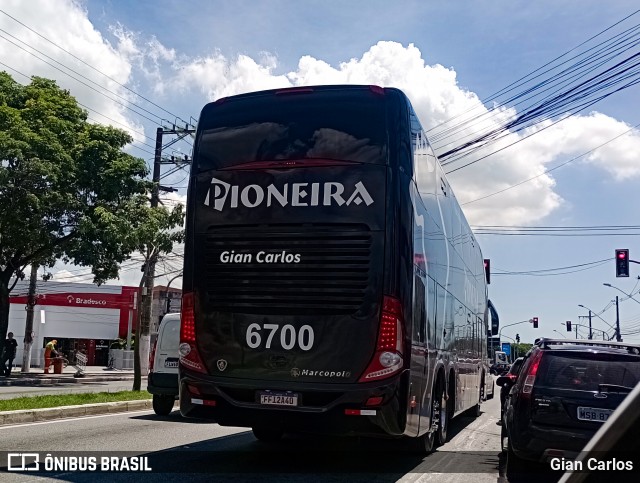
(67,190)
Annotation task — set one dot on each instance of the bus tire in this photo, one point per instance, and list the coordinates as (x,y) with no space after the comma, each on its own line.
(422,445)
(163,404)
(267,435)
(442,409)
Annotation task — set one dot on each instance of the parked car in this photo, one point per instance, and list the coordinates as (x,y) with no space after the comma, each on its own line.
(163,365)
(565,391)
(499,368)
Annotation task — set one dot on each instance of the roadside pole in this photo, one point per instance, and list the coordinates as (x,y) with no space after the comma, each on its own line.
(28,328)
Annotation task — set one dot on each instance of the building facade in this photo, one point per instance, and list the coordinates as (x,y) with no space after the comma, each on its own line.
(81,317)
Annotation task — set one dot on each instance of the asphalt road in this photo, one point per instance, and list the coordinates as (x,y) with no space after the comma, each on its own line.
(204,451)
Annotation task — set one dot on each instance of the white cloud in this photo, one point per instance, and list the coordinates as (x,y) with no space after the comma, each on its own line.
(65,23)
(436,97)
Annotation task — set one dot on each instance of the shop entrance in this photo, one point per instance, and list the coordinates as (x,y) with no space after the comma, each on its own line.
(96,350)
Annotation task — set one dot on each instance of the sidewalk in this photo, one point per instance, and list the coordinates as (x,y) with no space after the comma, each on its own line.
(92,374)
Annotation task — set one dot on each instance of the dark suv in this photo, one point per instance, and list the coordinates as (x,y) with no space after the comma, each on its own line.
(564,392)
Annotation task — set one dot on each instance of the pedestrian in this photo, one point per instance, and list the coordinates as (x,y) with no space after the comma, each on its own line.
(49,353)
(10,349)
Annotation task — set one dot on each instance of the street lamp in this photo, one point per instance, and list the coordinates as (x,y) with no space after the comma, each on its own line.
(618,336)
(558,332)
(597,315)
(627,294)
(590,331)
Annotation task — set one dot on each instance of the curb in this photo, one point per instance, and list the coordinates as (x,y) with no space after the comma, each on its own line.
(60,380)
(48,414)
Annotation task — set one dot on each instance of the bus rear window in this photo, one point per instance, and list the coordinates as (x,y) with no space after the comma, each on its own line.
(335,125)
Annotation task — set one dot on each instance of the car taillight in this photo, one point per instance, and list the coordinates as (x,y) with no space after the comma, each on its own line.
(532,371)
(189,356)
(152,355)
(387,359)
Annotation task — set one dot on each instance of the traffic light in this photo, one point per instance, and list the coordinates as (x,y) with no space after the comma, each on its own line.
(518,338)
(535,322)
(568,326)
(487,270)
(622,262)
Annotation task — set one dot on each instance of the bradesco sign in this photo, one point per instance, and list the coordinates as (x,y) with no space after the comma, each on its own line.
(295,194)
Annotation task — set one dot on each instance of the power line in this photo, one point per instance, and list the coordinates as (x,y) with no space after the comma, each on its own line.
(519,82)
(580,85)
(554,271)
(552,169)
(567,231)
(92,67)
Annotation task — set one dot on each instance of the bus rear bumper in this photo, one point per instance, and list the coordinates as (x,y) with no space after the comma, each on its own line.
(335,409)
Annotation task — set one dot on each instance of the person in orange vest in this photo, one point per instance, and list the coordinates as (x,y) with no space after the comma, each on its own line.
(49,353)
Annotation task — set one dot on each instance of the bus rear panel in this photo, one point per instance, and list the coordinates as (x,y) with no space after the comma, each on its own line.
(298,295)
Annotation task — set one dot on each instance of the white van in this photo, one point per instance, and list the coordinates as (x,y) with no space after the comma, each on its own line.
(163,365)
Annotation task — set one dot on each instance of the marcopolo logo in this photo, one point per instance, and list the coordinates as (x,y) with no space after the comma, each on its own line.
(298,194)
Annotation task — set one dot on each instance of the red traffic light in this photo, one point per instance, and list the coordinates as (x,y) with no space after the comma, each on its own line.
(487,270)
(535,322)
(622,262)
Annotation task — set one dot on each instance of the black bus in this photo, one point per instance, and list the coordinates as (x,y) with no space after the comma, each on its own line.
(331,281)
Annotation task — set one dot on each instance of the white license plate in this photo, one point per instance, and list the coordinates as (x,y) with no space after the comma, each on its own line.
(593,414)
(170,363)
(279,399)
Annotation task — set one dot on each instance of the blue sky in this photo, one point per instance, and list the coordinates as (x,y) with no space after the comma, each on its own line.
(182,55)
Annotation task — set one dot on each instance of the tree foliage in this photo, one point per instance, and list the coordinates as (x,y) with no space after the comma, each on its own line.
(67,189)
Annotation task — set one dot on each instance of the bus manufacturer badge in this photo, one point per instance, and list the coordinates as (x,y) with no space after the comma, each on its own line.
(222,364)
(295,372)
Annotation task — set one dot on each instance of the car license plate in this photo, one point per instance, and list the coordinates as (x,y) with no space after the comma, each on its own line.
(593,414)
(278,399)
(171,364)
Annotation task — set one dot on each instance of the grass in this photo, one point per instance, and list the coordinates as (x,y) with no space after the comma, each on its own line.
(57,400)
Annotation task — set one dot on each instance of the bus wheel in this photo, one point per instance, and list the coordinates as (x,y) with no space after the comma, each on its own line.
(441,414)
(267,435)
(422,445)
(163,404)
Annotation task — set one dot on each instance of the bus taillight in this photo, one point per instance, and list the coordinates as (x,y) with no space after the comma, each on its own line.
(388,357)
(189,356)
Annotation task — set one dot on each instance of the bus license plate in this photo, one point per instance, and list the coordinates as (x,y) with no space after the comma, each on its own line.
(273,399)
(171,363)
(593,414)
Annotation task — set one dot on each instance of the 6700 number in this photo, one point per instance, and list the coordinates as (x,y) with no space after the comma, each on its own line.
(288,336)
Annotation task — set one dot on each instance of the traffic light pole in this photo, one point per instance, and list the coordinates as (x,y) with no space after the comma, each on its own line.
(590,331)
(509,325)
(618,338)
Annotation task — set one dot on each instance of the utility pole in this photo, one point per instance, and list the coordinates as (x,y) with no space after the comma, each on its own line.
(590,331)
(147,282)
(618,338)
(28,328)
